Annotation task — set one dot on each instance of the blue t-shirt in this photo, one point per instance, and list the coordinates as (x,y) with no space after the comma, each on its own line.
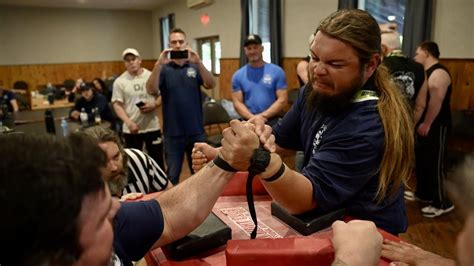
(259,85)
(343,153)
(137,226)
(180,88)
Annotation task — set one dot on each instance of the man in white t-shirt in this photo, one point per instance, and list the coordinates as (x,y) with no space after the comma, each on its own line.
(136,108)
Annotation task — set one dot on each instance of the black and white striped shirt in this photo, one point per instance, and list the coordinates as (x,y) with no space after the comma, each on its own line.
(144,174)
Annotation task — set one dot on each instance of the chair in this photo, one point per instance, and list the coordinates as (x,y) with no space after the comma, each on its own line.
(214,114)
(20,89)
(69,84)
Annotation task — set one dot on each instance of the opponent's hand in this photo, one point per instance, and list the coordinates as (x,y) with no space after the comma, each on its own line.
(202,154)
(238,145)
(131,196)
(264,132)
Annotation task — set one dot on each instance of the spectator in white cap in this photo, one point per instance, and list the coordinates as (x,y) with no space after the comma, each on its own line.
(136,108)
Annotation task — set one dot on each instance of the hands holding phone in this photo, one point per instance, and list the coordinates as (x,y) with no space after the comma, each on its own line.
(146,107)
(169,54)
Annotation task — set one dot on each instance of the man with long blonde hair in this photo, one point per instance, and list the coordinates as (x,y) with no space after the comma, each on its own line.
(352,124)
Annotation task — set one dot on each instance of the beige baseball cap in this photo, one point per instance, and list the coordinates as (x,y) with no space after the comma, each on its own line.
(130,51)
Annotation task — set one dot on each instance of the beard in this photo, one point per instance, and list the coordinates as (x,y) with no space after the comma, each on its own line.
(117,185)
(332,104)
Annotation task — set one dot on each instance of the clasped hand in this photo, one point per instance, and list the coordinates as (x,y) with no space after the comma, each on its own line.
(238,144)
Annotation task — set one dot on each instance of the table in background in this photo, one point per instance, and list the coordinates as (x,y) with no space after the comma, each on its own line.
(37,116)
(40,103)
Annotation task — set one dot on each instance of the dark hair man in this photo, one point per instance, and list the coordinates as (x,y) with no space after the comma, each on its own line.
(352,124)
(91,100)
(61,212)
(432,137)
(127,170)
(179,83)
(57,212)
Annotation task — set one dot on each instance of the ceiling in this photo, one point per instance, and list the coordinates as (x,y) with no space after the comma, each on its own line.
(91,4)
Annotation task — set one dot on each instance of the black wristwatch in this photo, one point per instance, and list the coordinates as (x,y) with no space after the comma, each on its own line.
(259,161)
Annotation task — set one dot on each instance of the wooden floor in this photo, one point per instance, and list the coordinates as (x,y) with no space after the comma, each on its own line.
(437,235)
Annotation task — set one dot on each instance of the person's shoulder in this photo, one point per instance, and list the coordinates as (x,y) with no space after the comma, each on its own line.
(240,71)
(99,96)
(121,78)
(274,67)
(134,152)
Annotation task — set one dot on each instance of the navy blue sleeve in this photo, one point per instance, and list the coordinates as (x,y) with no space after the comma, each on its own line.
(199,77)
(287,130)
(104,109)
(346,162)
(138,225)
(10,95)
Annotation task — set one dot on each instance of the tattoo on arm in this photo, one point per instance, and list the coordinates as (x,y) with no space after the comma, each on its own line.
(210,164)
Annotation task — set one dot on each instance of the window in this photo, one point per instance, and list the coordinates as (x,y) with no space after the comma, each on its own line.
(166,25)
(209,49)
(259,23)
(386,11)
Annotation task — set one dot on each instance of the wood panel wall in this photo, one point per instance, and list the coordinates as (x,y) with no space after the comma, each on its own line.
(462,73)
(38,75)
(461,70)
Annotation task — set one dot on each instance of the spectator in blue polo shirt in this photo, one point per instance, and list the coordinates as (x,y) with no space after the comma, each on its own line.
(259,88)
(179,82)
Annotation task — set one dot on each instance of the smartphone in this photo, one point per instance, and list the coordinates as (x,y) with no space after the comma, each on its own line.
(179,54)
(140,104)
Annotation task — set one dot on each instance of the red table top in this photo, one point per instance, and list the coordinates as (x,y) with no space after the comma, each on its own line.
(233,211)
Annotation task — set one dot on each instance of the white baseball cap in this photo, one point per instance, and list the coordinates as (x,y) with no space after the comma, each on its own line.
(130,51)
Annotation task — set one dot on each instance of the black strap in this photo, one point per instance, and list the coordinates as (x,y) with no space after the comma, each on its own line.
(277,175)
(253,171)
(251,203)
(223,164)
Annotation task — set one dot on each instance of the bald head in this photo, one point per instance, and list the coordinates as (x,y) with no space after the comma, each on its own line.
(390,41)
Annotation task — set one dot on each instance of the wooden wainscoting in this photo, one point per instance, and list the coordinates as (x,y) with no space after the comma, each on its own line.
(40,74)
(228,68)
(462,74)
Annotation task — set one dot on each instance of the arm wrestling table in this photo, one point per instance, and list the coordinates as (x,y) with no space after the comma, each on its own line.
(276,242)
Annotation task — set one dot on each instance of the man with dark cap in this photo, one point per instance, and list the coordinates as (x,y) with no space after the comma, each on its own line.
(91,102)
(259,88)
